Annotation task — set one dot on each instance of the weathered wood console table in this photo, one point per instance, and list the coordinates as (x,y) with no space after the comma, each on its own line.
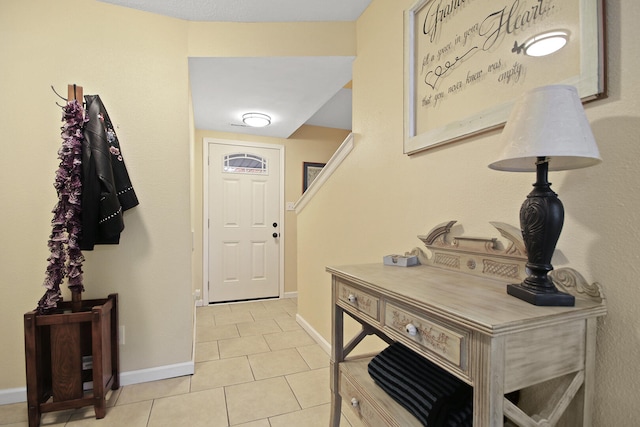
(454,310)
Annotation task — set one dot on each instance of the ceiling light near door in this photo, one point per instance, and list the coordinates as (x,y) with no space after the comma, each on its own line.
(256,120)
(546,43)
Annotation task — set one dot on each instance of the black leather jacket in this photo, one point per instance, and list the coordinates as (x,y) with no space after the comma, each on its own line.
(106,187)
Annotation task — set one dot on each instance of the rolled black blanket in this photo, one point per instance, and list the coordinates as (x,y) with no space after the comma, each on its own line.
(434,396)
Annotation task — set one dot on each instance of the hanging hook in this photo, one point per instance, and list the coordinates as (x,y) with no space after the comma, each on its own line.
(54,91)
(73,92)
(60,96)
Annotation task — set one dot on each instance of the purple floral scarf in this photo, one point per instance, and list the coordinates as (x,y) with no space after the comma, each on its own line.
(66,257)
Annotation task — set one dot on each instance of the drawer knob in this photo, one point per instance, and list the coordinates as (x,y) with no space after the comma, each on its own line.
(352,298)
(354,402)
(411,330)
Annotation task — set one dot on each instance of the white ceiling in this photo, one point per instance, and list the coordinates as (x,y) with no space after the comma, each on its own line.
(292,90)
(252,10)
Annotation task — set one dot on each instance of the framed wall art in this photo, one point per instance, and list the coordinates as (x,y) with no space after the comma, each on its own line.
(466,61)
(309,172)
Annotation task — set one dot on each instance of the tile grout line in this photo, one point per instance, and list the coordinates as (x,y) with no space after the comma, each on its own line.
(153,401)
(226,404)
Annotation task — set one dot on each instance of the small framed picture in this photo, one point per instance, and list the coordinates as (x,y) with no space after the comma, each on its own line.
(309,173)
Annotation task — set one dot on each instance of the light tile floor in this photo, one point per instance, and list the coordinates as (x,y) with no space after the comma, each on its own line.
(255,367)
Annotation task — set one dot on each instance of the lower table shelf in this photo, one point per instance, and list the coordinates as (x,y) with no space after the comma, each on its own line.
(367,401)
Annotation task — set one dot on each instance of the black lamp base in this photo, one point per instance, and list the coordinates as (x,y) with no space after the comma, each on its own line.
(541,218)
(541,298)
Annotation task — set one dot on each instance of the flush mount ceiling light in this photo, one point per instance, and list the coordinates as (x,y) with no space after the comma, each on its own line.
(546,43)
(256,120)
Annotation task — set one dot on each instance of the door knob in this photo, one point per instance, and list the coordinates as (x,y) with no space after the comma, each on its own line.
(275,235)
(411,330)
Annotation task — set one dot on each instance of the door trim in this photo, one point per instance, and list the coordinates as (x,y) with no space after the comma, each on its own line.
(205,209)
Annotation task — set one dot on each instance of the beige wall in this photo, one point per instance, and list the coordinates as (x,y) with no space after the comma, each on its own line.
(379,199)
(137,62)
(376,202)
(272,39)
(307,144)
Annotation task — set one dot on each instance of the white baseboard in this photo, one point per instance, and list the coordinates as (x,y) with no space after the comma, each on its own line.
(159,373)
(324,344)
(290,295)
(13,395)
(17,395)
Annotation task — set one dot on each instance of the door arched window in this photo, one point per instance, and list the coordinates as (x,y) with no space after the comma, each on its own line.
(245,163)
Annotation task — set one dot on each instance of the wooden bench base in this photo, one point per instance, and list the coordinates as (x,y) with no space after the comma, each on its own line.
(68,349)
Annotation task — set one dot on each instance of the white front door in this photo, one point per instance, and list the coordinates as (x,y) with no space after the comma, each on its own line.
(244,210)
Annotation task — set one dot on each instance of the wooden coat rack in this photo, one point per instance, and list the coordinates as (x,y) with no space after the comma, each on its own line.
(75,92)
(67,349)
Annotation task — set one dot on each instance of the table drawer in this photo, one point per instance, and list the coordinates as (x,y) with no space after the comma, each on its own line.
(361,301)
(436,337)
(359,405)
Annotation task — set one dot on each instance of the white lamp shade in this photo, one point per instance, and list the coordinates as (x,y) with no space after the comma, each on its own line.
(549,122)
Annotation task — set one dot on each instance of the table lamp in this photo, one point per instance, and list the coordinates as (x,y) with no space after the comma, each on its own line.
(546,130)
